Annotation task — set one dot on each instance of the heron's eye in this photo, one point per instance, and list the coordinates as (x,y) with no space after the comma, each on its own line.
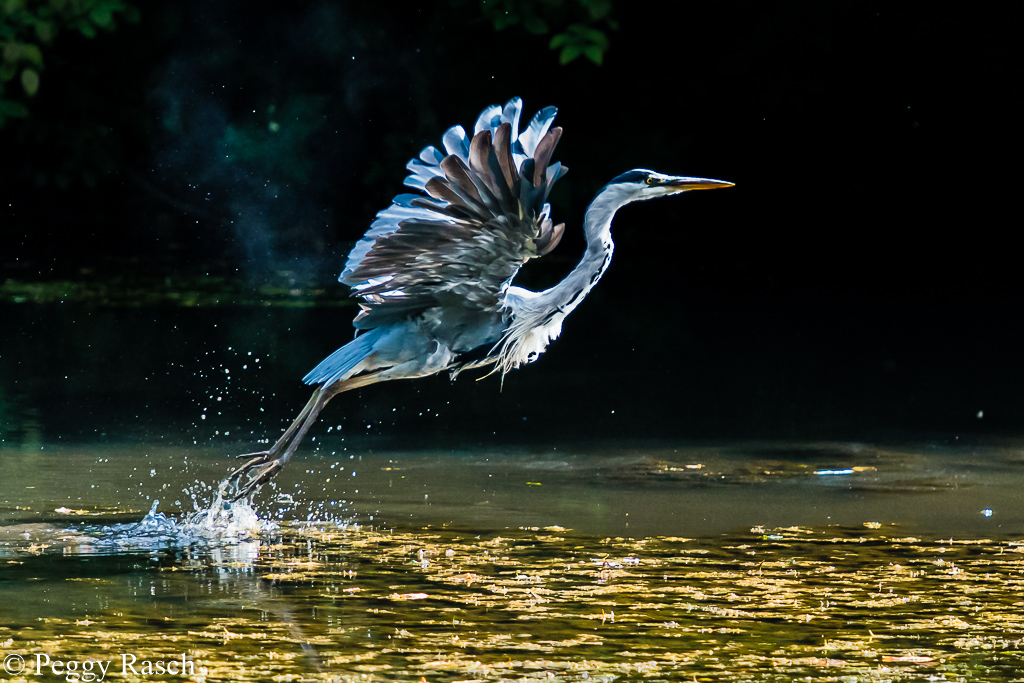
(649,180)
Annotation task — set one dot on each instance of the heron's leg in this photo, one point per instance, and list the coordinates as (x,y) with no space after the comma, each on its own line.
(261,457)
(271,452)
(266,464)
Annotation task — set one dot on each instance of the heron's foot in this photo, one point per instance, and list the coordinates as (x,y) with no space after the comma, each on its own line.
(233,487)
(258,454)
(255,460)
(260,471)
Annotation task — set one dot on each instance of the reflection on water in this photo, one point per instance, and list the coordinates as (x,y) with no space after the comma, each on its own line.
(324,602)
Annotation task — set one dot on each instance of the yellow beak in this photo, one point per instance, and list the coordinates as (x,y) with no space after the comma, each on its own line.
(684,183)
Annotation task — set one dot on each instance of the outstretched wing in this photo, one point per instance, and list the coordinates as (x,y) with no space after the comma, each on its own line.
(482,217)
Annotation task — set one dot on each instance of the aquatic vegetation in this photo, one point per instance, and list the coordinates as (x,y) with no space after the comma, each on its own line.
(334,602)
(138,290)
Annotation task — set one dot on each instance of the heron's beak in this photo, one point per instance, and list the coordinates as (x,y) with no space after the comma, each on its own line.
(682,184)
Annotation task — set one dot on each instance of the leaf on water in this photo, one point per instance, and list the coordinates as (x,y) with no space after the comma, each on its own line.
(909,659)
(409,596)
(704,605)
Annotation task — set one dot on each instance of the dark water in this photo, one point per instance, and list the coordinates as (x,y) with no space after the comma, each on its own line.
(455,532)
(642,491)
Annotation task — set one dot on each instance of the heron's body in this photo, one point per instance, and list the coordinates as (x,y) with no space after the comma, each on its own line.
(435,269)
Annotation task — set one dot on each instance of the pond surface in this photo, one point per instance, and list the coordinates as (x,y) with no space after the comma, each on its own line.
(455,532)
(741,562)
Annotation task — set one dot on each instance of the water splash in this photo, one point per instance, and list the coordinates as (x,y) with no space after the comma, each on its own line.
(229,531)
(223,523)
(226,520)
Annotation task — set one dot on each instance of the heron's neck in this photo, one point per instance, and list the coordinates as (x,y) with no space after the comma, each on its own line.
(597,229)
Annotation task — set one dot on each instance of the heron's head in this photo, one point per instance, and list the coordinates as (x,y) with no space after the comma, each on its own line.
(641,184)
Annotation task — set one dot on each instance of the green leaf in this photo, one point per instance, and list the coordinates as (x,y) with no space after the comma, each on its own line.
(505,20)
(86,29)
(535,25)
(30,81)
(32,53)
(599,9)
(13,109)
(8,70)
(46,31)
(102,15)
(12,51)
(597,37)
(558,41)
(594,54)
(569,53)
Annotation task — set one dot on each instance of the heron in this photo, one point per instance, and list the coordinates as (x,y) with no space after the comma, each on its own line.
(434,272)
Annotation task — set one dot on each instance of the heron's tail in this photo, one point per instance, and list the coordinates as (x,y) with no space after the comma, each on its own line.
(343,362)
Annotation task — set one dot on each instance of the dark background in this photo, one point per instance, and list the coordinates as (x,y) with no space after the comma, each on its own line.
(860,281)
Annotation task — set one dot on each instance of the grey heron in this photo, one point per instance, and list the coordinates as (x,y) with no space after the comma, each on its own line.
(434,271)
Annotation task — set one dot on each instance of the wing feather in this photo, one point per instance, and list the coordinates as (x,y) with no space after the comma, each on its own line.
(487,118)
(482,215)
(537,129)
(503,151)
(542,155)
(458,175)
(455,141)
